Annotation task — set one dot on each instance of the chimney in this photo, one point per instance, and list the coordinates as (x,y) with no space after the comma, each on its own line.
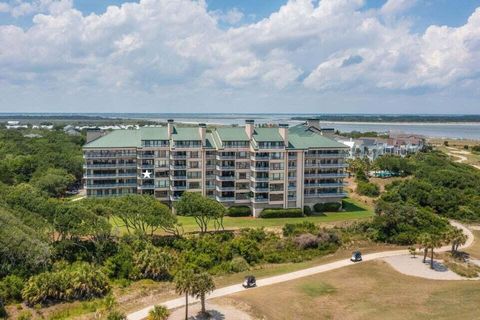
(202,130)
(283,130)
(249,128)
(313,123)
(170,128)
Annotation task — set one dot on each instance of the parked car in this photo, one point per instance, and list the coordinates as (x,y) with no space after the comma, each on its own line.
(249,282)
(356,256)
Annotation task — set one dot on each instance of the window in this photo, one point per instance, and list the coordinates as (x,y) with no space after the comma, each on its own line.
(161,163)
(276,176)
(155,143)
(194,175)
(162,183)
(194,154)
(276,166)
(194,164)
(242,175)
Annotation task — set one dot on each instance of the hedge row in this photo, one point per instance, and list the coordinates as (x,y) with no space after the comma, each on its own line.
(281,213)
(327,207)
(239,211)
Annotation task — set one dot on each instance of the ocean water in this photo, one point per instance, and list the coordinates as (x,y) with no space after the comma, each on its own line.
(454,130)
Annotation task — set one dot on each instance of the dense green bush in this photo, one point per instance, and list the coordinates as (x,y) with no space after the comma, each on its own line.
(291,229)
(239,211)
(476,148)
(153,263)
(239,264)
(116,315)
(66,283)
(327,207)
(368,189)
(307,211)
(11,289)
(158,313)
(281,213)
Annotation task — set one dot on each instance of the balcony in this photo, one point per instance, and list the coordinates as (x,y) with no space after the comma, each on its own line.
(210,176)
(145,156)
(324,185)
(178,177)
(220,188)
(178,167)
(110,155)
(259,169)
(292,198)
(222,157)
(178,188)
(259,158)
(225,199)
(210,166)
(146,187)
(326,155)
(254,189)
(210,186)
(174,198)
(325,165)
(259,179)
(327,195)
(110,185)
(259,200)
(146,166)
(225,178)
(292,188)
(178,156)
(113,175)
(110,165)
(225,168)
(326,175)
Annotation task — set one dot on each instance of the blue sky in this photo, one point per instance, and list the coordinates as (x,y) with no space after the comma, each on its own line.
(360,56)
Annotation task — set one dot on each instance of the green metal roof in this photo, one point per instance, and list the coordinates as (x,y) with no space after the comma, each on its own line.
(301,137)
(185,133)
(154,133)
(267,134)
(117,139)
(209,141)
(232,133)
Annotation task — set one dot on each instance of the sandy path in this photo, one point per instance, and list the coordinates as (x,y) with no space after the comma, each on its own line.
(180,302)
(460,154)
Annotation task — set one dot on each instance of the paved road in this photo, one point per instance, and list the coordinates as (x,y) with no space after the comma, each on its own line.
(180,302)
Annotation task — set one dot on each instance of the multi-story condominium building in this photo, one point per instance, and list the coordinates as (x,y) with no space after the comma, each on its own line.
(260,167)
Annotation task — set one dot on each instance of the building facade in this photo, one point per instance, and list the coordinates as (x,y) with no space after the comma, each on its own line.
(261,167)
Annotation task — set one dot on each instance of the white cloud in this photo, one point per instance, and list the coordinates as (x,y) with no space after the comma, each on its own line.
(157,45)
(394,7)
(232,16)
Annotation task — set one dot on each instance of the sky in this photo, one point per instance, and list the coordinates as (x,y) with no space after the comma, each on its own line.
(240,56)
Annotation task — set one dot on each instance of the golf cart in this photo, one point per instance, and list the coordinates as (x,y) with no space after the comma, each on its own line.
(249,282)
(356,256)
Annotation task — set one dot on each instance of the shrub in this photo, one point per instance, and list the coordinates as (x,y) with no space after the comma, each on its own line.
(11,288)
(368,189)
(307,210)
(72,282)
(25,315)
(476,148)
(281,213)
(327,207)
(239,264)
(158,313)
(291,229)
(306,241)
(239,211)
(153,263)
(116,315)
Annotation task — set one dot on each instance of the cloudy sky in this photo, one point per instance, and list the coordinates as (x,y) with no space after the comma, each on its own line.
(327,56)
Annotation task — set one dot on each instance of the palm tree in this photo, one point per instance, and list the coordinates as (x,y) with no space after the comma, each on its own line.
(184,285)
(436,241)
(424,240)
(457,238)
(158,313)
(202,284)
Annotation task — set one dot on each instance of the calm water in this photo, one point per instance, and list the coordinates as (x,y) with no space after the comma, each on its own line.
(439,130)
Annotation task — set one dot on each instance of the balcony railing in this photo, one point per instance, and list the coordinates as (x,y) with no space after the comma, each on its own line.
(113,175)
(220,188)
(111,155)
(225,178)
(110,185)
(145,156)
(326,175)
(225,168)
(259,200)
(324,185)
(178,177)
(327,195)
(146,187)
(259,169)
(178,167)
(110,165)
(259,179)
(325,165)
(326,155)
(255,189)
(222,157)
(225,199)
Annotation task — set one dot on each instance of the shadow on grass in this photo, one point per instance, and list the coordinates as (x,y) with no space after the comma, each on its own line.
(352,207)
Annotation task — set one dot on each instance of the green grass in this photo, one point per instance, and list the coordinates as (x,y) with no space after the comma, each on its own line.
(352,211)
(317,289)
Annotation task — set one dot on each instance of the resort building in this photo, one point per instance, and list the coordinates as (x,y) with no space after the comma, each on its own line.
(267,166)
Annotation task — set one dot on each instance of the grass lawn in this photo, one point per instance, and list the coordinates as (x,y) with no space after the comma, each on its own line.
(353,210)
(371,290)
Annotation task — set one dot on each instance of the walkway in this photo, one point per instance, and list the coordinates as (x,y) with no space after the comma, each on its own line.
(180,302)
